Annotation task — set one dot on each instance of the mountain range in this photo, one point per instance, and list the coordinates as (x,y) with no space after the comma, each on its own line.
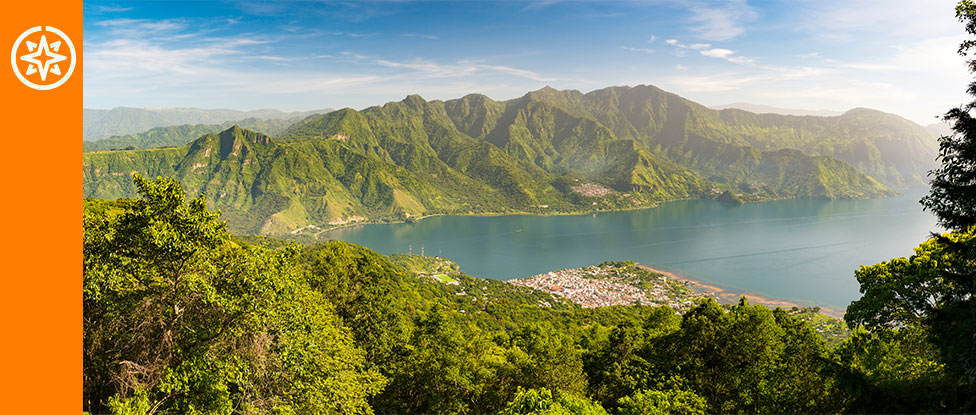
(766,109)
(100,124)
(548,151)
(180,135)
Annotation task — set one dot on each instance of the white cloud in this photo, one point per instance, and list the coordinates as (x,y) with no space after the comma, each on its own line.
(713,83)
(849,19)
(459,69)
(718,53)
(128,28)
(112,9)
(652,39)
(705,49)
(721,20)
(643,50)
(933,56)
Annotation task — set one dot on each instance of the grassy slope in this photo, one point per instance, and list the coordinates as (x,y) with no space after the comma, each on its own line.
(474,155)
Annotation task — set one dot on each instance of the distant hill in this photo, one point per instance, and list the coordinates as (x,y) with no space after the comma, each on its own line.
(546,152)
(766,109)
(100,124)
(180,135)
(939,129)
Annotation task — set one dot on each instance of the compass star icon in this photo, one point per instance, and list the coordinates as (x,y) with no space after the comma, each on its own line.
(46,65)
(43,57)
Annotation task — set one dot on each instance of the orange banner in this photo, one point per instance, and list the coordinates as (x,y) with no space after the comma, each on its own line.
(40,308)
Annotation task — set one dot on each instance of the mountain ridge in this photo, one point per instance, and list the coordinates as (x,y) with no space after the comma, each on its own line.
(546,152)
(100,124)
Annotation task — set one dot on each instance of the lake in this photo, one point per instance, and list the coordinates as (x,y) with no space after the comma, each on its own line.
(801,250)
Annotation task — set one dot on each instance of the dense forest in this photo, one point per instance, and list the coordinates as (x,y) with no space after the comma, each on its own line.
(183,317)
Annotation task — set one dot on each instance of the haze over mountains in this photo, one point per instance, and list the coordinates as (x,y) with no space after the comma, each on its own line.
(548,151)
(99,124)
(766,109)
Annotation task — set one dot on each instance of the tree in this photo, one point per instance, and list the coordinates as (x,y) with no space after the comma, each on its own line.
(361,290)
(670,402)
(953,194)
(544,357)
(447,367)
(180,319)
(935,290)
(543,401)
(931,291)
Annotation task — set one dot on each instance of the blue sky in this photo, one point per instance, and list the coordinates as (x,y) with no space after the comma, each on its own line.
(893,55)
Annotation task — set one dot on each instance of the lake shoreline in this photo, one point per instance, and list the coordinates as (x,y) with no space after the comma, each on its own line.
(547,214)
(494,215)
(732,296)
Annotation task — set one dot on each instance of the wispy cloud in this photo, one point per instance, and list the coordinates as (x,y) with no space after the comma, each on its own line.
(713,83)
(696,46)
(721,20)
(459,69)
(165,59)
(705,49)
(112,9)
(643,50)
(850,19)
(134,27)
(924,56)
(420,35)
(725,54)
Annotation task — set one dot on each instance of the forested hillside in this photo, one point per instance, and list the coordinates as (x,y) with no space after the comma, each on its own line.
(180,316)
(547,152)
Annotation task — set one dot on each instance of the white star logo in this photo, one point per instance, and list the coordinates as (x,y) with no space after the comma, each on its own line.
(46,65)
(45,58)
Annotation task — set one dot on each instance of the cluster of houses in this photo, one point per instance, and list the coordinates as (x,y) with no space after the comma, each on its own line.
(606,286)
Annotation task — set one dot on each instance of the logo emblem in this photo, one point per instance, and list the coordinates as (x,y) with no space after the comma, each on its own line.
(43,57)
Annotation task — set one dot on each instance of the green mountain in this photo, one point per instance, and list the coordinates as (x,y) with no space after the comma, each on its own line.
(180,135)
(890,149)
(101,124)
(546,152)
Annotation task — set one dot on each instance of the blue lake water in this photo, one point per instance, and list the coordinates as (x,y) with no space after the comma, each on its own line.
(800,250)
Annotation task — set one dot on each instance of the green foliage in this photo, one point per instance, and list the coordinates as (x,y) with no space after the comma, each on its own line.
(669,402)
(745,359)
(544,357)
(543,402)
(953,194)
(180,318)
(729,198)
(362,290)
(446,368)
(923,304)
(915,340)
(893,371)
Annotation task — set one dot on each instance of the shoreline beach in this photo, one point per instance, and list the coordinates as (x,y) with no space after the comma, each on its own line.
(730,296)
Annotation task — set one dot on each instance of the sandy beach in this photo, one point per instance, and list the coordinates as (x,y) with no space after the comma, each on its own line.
(726,296)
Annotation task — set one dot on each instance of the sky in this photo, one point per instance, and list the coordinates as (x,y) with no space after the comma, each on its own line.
(897,56)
